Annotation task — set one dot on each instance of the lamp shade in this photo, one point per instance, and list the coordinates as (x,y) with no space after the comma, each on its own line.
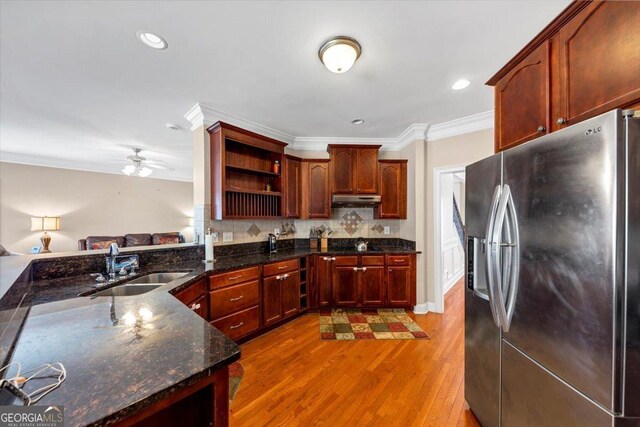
(45,223)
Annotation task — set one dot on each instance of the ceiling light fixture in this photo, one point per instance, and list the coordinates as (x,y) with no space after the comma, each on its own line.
(460,84)
(357,122)
(136,168)
(172,126)
(339,53)
(152,40)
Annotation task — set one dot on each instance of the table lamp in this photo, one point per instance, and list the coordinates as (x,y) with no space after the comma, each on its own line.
(45,223)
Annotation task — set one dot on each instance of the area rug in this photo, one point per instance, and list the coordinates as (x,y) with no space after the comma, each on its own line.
(380,324)
(236,371)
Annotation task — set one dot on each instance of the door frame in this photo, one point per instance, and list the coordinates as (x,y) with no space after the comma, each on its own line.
(437,235)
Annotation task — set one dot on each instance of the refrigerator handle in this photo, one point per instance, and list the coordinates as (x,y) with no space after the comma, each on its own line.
(495,251)
(514,267)
(489,256)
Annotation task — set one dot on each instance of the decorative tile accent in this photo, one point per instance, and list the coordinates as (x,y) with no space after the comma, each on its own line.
(350,222)
(254,230)
(378,228)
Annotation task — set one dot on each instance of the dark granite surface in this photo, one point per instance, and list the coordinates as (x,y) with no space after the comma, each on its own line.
(115,369)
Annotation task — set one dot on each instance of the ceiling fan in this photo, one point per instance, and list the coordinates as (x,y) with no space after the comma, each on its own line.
(140,166)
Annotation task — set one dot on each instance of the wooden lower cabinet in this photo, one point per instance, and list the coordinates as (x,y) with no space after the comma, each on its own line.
(345,286)
(239,324)
(323,279)
(399,286)
(372,288)
(195,297)
(281,293)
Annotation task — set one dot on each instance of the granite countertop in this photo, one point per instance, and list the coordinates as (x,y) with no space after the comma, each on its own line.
(44,291)
(114,369)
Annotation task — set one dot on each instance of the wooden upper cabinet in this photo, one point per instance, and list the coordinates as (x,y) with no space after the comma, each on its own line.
(522,101)
(392,177)
(584,63)
(598,62)
(292,186)
(354,169)
(366,170)
(342,168)
(316,199)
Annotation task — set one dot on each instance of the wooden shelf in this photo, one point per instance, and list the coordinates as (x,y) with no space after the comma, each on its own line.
(246,191)
(252,171)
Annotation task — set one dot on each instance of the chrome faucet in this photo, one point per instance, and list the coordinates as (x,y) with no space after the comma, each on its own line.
(111,261)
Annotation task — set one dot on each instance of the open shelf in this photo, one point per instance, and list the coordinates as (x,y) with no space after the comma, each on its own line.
(251,170)
(246,191)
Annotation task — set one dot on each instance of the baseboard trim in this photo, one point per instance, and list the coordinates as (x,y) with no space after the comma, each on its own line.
(421,308)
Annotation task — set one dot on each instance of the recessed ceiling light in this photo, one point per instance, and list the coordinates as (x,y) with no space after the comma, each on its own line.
(460,84)
(152,40)
(339,53)
(172,126)
(357,122)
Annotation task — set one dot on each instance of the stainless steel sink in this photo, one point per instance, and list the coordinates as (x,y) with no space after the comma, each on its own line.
(126,290)
(159,277)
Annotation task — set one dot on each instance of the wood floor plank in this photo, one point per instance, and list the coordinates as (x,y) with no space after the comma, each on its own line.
(294,378)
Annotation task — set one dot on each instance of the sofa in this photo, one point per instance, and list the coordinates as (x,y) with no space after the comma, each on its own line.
(130,240)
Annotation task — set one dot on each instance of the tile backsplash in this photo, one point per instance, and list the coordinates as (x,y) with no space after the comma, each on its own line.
(344,223)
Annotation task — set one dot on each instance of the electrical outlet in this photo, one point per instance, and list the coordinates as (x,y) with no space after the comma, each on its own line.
(276,231)
(387,230)
(227,236)
(216,237)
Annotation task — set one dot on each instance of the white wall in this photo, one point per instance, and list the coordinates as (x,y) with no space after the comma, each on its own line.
(457,150)
(89,203)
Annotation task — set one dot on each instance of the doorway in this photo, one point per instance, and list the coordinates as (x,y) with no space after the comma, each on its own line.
(449,208)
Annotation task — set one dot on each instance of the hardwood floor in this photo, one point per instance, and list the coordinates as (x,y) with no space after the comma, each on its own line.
(293,378)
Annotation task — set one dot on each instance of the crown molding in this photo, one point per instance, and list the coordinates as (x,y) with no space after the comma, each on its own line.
(461,126)
(203,115)
(85,166)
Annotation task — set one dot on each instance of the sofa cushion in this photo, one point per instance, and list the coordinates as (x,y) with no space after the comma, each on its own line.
(166,238)
(3,251)
(103,242)
(138,239)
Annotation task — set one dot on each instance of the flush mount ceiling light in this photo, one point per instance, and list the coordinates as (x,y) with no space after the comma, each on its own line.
(357,122)
(152,40)
(339,53)
(136,167)
(172,126)
(460,84)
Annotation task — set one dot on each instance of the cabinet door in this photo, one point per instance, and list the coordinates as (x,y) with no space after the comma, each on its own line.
(200,306)
(271,300)
(372,286)
(319,204)
(393,190)
(323,281)
(292,177)
(598,67)
(342,170)
(345,286)
(290,291)
(366,170)
(522,101)
(399,286)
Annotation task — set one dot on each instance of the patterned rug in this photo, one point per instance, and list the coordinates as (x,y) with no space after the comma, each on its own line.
(380,324)
(236,371)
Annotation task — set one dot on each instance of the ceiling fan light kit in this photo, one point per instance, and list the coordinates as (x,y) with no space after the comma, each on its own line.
(136,166)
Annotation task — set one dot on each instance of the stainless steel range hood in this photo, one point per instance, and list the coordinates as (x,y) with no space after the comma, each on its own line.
(354,200)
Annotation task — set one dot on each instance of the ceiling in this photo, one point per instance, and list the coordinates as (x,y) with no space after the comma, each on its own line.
(78,89)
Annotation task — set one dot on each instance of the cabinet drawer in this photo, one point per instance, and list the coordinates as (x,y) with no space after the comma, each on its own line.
(228,300)
(239,324)
(192,293)
(399,260)
(346,260)
(280,267)
(373,260)
(234,277)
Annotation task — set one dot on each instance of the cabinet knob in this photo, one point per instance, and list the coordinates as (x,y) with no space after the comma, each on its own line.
(541,129)
(195,306)
(332,258)
(561,121)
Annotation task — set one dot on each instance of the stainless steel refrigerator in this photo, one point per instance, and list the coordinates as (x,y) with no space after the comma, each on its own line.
(552,321)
